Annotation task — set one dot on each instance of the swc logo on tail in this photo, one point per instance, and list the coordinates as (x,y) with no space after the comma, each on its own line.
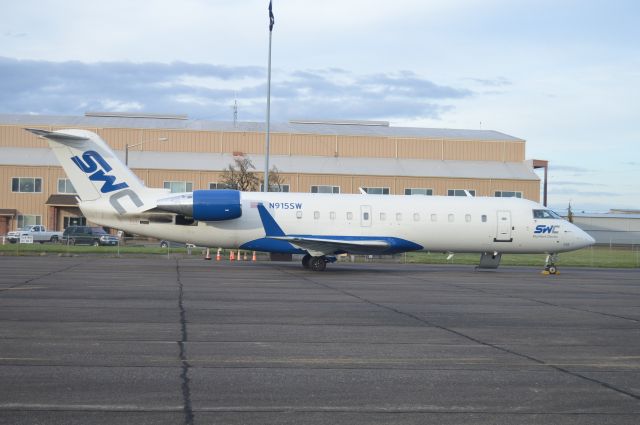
(96,166)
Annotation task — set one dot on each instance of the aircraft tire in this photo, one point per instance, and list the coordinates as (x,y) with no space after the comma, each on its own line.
(318,264)
(306,261)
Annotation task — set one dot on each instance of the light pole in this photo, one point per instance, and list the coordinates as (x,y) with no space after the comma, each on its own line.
(126,148)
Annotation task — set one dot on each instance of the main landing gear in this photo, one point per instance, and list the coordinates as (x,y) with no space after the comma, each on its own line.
(317,264)
(550,266)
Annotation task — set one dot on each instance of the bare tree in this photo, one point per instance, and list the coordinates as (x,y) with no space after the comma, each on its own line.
(240,176)
(276,181)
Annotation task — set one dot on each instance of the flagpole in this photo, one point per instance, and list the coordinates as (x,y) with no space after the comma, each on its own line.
(266,156)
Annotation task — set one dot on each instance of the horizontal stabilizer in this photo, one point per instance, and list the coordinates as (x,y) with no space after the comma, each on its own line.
(58,137)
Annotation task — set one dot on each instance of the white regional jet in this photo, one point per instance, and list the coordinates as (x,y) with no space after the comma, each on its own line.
(320,226)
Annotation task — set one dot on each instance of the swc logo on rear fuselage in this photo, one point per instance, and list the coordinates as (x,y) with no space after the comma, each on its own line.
(97,167)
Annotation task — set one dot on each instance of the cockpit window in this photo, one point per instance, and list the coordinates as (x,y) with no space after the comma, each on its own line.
(545,214)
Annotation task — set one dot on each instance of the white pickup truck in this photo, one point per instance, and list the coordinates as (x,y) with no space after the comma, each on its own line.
(38,232)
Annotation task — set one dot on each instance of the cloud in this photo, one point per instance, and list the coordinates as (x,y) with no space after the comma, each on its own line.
(569,168)
(492,82)
(205,91)
(11,34)
(574,183)
(579,193)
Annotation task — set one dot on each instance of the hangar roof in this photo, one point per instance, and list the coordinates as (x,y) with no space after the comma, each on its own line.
(300,164)
(178,122)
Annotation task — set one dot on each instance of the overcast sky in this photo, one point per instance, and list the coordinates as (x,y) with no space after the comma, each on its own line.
(563,75)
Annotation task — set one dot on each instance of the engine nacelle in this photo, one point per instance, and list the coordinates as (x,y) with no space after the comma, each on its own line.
(216,205)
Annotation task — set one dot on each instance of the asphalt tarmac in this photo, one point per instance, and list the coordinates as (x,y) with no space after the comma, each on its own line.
(97,340)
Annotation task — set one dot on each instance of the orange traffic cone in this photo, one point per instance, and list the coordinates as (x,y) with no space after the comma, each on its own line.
(207,255)
(232,256)
(218,254)
(238,257)
(245,256)
(253,258)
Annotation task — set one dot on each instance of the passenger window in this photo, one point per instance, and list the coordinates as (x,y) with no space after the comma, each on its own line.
(298,214)
(484,218)
(365,216)
(349,215)
(452,218)
(434,217)
(416,217)
(383,216)
(467,218)
(398,216)
(332,215)
(316,215)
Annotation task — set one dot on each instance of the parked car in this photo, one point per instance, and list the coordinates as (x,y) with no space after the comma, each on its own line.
(37,232)
(167,244)
(85,235)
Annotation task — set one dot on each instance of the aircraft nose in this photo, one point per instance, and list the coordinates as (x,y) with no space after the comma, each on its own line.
(585,239)
(590,239)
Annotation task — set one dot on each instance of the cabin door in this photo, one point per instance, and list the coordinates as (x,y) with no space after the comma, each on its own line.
(365,215)
(503,231)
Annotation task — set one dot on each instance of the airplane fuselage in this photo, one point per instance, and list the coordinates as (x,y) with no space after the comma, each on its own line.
(430,223)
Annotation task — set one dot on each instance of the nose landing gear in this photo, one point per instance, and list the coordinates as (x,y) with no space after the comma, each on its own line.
(550,266)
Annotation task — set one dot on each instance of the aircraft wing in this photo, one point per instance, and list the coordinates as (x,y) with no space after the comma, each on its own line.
(318,245)
(331,246)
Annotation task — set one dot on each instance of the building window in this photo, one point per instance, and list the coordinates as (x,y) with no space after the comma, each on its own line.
(65,186)
(28,220)
(276,187)
(26,184)
(376,190)
(460,192)
(508,194)
(178,187)
(215,186)
(418,191)
(325,189)
(73,221)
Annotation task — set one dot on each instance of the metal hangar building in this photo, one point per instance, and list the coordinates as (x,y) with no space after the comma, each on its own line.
(181,154)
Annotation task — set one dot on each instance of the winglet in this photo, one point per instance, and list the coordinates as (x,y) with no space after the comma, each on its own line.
(271,228)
